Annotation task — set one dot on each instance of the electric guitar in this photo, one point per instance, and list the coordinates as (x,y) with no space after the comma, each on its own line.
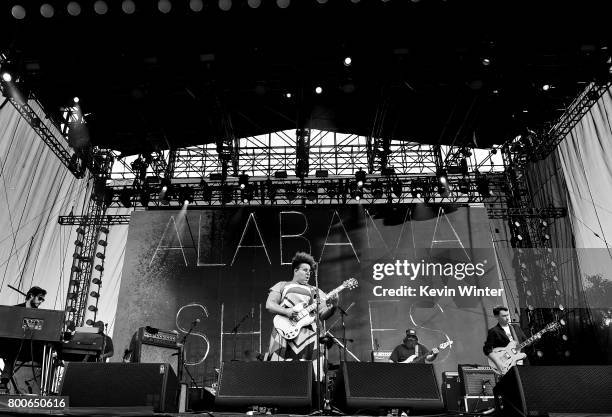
(506,357)
(289,328)
(416,358)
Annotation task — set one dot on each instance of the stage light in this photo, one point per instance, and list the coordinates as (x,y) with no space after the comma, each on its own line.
(74,8)
(319,90)
(72,295)
(377,189)
(92,308)
(125,197)
(144,198)
(104,229)
(553,264)
(330,190)
(227,194)
(288,95)
(544,223)
(546,87)
(280,174)
(528,293)
(546,237)
(561,307)
(517,224)
(128,6)
(80,230)
(99,268)
(18,12)
(291,191)
(486,62)
(89,322)
(539,353)
(562,322)
(78,243)
(360,177)
(165,183)
(482,185)
(311,192)
(206,191)
(321,1)
(243,180)
(464,186)
(100,7)
(321,173)
(95,294)
(225,5)
(397,187)
(6,76)
(76,269)
(164,6)
(102,242)
(47,11)
(246,194)
(283,4)
(272,189)
(348,61)
(96,281)
(254,4)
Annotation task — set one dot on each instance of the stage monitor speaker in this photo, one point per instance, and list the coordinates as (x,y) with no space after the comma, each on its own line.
(541,390)
(120,385)
(160,354)
(451,391)
(280,384)
(364,385)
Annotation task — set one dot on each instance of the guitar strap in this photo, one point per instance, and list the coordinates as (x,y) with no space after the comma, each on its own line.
(513,332)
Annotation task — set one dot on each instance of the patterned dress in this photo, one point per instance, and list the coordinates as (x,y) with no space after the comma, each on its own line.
(304,346)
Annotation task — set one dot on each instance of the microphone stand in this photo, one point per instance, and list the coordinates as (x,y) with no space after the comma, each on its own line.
(182,354)
(318,324)
(343,313)
(235,331)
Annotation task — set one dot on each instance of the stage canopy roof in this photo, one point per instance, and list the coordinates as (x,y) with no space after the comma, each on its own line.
(474,72)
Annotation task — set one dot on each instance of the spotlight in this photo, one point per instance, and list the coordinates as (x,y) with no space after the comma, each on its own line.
(96,281)
(100,7)
(92,308)
(164,6)
(99,268)
(246,194)
(125,197)
(330,190)
(360,177)
(442,179)
(397,187)
(6,76)
(104,229)
(319,90)
(312,192)
(186,195)
(95,294)
(486,62)
(225,5)
(348,61)
(206,190)
(482,185)
(74,8)
(291,191)
(253,4)
(102,242)
(243,180)
(89,322)
(144,198)
(546,87)
(128,7)
(288,95)
(272,189)
(283,4)
(227,194)
(464,186)
(377,189)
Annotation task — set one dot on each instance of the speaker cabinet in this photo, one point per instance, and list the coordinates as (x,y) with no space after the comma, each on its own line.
(540,390)
(451,391)
(280,384)
(364,385)
(120,385)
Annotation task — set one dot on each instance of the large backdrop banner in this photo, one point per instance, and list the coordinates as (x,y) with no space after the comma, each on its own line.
(428,268)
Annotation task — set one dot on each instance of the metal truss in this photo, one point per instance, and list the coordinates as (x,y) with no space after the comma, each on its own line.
(526,212)
(338,154)
(55,142)
(377,189)
(109,220)
(534,146)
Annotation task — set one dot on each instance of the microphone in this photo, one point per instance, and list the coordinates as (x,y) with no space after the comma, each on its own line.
(195,322)
(252,312)
(376,344)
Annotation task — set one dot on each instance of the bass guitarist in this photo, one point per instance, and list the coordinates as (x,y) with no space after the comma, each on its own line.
(281,300)
(502,334)
(411,351)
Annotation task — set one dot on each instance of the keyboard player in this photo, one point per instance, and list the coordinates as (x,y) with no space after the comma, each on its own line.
(34,298)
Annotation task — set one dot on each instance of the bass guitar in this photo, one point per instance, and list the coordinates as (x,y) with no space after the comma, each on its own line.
(289,328)
(503,358)
(417,358)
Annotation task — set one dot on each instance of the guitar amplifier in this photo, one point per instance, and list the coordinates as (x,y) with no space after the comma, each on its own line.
(157,337)
(151,345)
(381,355)
(478,381)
